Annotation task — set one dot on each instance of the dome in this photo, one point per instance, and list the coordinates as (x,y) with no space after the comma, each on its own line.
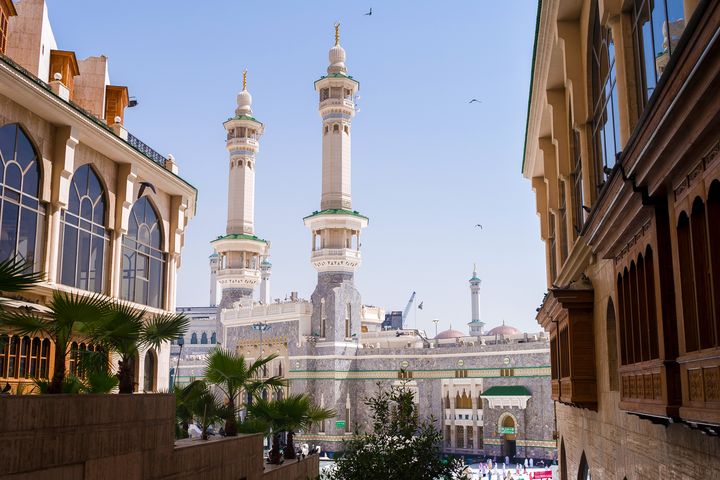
(244,101)
(449,333)
(503,330)
(337,59)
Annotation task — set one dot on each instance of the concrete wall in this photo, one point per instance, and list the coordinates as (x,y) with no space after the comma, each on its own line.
(128,436)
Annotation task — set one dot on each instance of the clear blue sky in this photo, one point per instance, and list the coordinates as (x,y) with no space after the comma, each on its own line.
(427,166)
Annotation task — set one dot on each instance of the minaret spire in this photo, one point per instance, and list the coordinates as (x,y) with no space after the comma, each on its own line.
(337,33)
(245,80)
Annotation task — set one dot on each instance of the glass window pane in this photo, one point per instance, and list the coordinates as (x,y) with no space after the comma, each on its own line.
(7,142)
(28,231)
(128,274)
(68,258)
(95,275)
(83,260)
(13,176)
(25,153)
(8,230)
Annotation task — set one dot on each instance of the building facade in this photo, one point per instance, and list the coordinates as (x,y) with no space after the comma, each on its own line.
(623,155)
(83,200)
(489,392)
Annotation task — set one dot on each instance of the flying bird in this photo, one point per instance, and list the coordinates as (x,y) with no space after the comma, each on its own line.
(143,186)
(475,100)
(369,13)
(478,225)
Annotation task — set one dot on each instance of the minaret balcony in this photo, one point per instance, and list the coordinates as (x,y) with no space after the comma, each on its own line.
(336,259)
(346,102)
(241,142)
(238,277)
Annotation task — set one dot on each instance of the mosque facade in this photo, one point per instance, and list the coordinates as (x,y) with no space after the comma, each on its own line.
(488,391)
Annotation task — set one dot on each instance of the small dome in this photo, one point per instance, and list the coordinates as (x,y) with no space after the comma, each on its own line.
(337,60)
(504,330)
(266,263)
(244,102)
(449,333)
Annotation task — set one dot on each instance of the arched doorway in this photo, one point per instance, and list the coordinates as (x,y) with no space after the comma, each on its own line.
(508,430)
(563,461)
(150,370)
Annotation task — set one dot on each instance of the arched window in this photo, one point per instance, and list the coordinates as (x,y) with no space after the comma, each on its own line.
(150,371)
(584,470)
(143,259)
(213,338)
(606,118)
(203,338)
(84,239)
(563,461)
(21,212)
(612,341)
(336,128)
(193,338)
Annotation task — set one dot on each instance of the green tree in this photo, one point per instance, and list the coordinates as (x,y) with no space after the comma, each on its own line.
(288,415)
(401,446)
(232,375)
(126,330)
(296,413)
(198,401)
(69,315)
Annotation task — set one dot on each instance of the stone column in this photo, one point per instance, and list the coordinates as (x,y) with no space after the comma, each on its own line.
(125,190)
(63,166)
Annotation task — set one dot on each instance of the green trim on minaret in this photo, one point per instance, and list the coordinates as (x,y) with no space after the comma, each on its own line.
(337,211)
(239,236)
(506,391)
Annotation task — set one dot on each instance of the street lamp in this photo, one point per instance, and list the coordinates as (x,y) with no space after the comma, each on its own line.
(181,342)
(261,327)
(435,321)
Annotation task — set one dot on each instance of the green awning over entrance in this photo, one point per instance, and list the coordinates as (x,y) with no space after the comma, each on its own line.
(506,391)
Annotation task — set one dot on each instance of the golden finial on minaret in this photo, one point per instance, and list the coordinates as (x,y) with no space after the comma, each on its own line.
(337,33)
(245,79)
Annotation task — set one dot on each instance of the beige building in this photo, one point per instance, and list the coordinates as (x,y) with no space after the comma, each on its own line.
(83,200)
(622,149)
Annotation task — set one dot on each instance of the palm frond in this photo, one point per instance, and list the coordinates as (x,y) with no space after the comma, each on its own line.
(24,323)
(16,275)
(164,328)
(257,365)
(101,382)
(118,329)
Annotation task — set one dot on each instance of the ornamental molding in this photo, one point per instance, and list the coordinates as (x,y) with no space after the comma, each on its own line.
(700,167)
(639,235)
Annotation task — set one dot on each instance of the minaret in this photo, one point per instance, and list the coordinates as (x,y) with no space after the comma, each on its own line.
(239,249)
(476,326)
(336,227)
(214,264)
(265,271)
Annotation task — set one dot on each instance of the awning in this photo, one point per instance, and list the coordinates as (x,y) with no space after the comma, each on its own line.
(507,396)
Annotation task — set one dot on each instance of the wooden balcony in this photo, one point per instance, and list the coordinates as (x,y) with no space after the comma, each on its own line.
(700,383)
(645,387)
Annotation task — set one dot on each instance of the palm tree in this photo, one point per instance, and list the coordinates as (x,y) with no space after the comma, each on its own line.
(263,417)
(290,415)
(70,315)
(231,374)
(126,330)
(297,413)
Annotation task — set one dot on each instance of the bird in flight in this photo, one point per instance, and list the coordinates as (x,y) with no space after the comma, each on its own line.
(474,100)
(478,225)
(369,13)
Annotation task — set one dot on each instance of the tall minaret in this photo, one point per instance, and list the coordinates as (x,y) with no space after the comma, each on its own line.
(265,271)
(476,326)
(336,227)
(239,249)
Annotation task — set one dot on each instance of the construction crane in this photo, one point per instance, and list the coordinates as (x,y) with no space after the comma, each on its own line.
(407,309)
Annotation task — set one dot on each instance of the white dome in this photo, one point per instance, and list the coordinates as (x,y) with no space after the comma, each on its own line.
(244,101)
(337,60)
